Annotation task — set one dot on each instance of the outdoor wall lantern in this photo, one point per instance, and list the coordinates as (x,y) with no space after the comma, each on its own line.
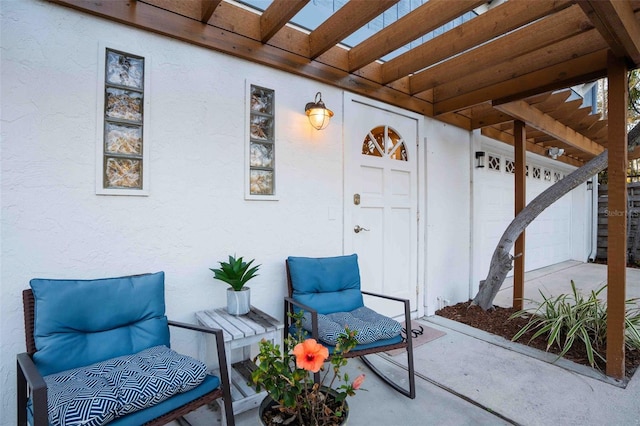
(479,159)
(590,185)
(319,115)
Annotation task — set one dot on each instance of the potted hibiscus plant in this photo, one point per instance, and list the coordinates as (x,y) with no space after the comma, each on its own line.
(293,397)
(236,272)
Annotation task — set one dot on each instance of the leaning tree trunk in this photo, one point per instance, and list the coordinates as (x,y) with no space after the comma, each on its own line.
(502,261)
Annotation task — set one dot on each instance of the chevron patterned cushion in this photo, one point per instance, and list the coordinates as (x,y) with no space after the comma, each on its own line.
(99,393)
(369,325)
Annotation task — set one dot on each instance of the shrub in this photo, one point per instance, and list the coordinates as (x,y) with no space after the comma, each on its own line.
(566,318)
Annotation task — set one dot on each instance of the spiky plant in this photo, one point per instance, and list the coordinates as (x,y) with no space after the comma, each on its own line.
(566,319)
(235,272)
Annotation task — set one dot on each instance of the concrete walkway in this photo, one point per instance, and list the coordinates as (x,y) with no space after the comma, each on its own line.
(469,377)
(556,279)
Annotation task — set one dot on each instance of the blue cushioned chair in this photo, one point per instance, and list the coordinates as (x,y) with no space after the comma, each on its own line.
(73,324)
(328,291)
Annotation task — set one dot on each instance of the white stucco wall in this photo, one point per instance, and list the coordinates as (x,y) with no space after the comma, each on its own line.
(448,214)
(53,223)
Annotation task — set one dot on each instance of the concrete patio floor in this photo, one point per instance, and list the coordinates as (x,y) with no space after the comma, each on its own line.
(469,377)
(556,279)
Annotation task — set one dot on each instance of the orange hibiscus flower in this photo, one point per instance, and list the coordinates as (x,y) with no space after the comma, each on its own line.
(358,382)
(310,355)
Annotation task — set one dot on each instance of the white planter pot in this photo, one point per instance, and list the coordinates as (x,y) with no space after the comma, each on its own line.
(238,302)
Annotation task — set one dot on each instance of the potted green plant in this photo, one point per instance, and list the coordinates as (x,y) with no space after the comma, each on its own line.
(236,273)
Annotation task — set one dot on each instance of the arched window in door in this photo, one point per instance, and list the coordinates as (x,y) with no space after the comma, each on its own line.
(383,141)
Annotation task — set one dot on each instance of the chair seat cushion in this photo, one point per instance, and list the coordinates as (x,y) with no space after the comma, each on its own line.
(99,393)
(210,384)
(369,326)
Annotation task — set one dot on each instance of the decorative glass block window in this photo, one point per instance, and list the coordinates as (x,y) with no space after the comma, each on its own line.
(547,175)
(509,166)
(122,150)
(494,163)
(383,141)
(537,173)
(261,141)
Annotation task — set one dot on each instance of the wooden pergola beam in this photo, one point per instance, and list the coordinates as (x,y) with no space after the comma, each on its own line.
(616,22)
(585,68)
(422,20)
(489,117)
(559,26)
(554,101)
(344,22)
(277,15)
(208,7)
(491,24)
(540,62)
(547,124)
(561,56)
(564,110)
(499,135)
(156,20)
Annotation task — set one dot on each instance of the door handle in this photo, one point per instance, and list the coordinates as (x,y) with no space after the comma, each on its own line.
(357,229)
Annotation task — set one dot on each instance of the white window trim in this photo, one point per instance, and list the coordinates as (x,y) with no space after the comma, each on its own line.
(100,190)
(247,144)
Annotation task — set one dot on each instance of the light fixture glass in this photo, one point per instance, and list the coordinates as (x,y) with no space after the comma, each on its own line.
(479,159)
(555,152)
(319,115)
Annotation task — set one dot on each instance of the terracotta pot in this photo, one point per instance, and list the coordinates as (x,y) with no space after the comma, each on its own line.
(267,403)
(238,302)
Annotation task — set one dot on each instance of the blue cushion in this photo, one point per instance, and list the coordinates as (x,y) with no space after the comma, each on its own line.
(138,418)
(360,347)
(376,344)
(81,322)
(369,326)
(329,284)
(143,416)
(96,394)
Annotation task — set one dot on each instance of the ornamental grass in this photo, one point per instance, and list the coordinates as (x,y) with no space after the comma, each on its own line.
(570,318)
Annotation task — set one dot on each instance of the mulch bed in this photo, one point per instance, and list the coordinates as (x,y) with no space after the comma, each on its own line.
(497,322)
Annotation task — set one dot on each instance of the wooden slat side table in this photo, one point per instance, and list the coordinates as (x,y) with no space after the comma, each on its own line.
(241,332)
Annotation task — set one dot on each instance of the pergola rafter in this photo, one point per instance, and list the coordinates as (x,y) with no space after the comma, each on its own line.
(514,51)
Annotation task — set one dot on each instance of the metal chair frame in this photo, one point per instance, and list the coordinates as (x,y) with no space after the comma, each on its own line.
(407,344)
(30,382)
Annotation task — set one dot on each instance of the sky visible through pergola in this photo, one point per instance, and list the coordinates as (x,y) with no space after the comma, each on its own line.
(317,11)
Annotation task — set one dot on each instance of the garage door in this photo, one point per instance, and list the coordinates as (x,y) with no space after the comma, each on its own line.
(548,238)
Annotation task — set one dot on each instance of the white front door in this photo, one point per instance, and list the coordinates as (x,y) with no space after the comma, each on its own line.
(381,205)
